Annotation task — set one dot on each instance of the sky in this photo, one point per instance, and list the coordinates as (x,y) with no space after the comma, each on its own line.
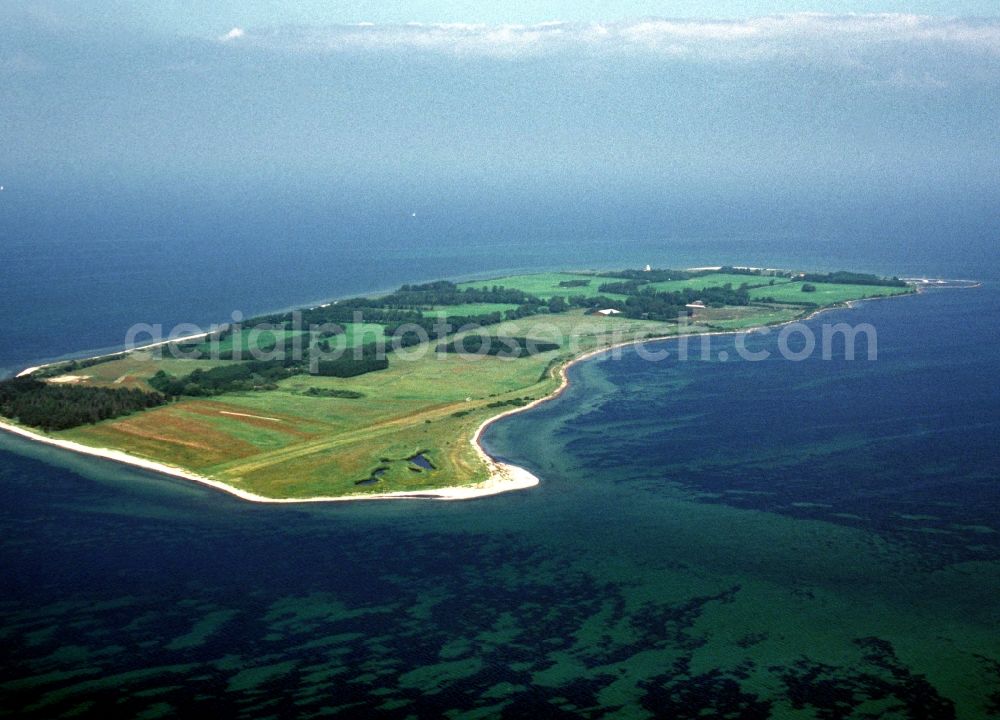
(229,110)
(195,17)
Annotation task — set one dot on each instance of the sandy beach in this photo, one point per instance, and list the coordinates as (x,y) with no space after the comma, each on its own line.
(139,348)
(502,478)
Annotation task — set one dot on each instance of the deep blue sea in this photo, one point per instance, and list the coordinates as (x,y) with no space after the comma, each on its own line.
(710,539)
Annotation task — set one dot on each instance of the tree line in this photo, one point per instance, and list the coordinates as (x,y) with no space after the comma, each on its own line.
(59,407)
(235,377)
(647,303)
(500,346)
(406,304)
(852,278)
(653,275)
(262,375)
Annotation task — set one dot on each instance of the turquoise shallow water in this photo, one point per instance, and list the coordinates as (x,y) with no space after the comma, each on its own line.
(710,539)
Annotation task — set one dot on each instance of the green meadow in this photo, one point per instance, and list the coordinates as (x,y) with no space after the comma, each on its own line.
(259,339)
(825,294)
(468,309)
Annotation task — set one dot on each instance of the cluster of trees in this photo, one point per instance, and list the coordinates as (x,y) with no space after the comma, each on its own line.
(655,275)
(346,311)
(529,309)
(259,375)
(447,293)
(719,296)
(623,287)
(660,306)
(594,302)
(501,346)
(574,283)
(58,407)
(420,329)
(852,278)
(251,375)
(423,329)
(557,304)
(646,303)
(756,272)
(357,361)
(513,402)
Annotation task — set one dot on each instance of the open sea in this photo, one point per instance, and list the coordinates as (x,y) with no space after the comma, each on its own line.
(710,539)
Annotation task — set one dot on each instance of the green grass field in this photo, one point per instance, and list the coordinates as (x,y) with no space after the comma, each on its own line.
(288,443)
(735,318)
(362,333)
(468,309)
(826,293)
(247,338)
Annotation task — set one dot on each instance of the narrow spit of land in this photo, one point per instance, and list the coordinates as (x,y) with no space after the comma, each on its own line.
(375,398)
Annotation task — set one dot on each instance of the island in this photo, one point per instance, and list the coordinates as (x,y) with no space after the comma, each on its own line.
(386,396)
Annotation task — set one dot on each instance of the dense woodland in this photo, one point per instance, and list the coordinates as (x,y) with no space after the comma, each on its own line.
(503,347)
(357,361)
(647,303)
(58,407)
(623,287)
(447,293)
(652,275)
(250,375)
(258,375)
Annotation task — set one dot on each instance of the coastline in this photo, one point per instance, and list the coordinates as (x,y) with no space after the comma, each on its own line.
(138,348)
(503,477)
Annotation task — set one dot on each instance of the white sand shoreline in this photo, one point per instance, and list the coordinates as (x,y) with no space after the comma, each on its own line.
(503,477)
(138,348)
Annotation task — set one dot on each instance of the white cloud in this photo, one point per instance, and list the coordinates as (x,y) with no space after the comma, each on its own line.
(234,34)
(794,35)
